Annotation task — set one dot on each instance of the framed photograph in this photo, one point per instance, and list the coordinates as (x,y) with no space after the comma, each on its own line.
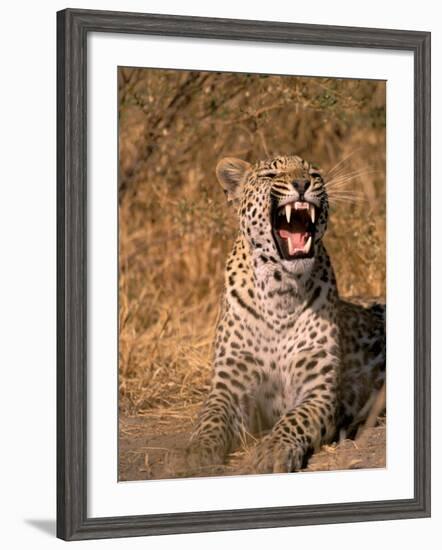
(243,263)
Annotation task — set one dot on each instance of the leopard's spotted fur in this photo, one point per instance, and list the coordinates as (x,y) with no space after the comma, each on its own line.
(290,355)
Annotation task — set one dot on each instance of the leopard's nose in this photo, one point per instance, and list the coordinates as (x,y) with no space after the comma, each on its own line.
(301,185)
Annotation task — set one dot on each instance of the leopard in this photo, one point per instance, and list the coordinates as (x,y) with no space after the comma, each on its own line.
(292,361)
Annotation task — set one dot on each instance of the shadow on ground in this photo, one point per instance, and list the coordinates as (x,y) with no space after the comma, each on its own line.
(47,526)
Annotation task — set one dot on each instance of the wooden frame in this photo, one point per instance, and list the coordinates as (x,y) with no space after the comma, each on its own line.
(73,27)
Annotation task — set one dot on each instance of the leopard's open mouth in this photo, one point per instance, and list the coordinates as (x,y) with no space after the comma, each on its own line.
(293,228)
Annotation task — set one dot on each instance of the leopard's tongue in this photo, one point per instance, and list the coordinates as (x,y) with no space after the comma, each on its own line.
(296,239)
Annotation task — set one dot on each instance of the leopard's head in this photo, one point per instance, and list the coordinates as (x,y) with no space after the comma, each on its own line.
(282,206)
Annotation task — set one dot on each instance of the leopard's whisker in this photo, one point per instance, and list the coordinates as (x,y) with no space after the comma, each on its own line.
(334,200)
(345,191)
(340,171)
(351,176)
(348,196)
(341,162)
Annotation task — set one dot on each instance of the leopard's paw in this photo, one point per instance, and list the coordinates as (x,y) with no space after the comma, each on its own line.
(273,455)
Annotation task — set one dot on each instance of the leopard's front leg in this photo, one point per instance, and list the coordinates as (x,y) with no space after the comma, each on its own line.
(305,427)
(221,419)
(211,439)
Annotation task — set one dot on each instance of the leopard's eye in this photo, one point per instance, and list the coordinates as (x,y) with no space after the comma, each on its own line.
(315,175)
(269,174)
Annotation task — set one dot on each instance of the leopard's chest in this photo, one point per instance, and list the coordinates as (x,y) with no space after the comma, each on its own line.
(282,356)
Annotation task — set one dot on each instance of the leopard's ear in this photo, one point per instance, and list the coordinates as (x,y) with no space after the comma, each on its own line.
(231,173)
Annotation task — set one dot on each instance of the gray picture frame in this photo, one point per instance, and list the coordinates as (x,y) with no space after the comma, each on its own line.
(73,27)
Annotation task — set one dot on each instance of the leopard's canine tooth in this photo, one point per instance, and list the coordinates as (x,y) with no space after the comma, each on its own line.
(288,212)
(312,212)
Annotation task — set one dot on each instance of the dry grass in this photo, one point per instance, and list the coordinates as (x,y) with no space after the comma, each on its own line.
(175,228)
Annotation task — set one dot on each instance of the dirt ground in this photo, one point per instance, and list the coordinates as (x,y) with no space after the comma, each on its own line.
(148,444)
